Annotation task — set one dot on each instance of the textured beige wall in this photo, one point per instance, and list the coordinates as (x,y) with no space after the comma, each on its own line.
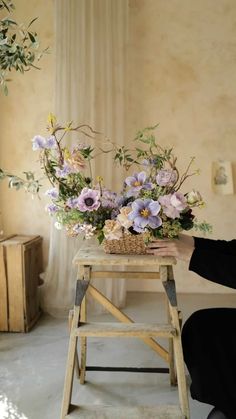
(22,115)
(182,75)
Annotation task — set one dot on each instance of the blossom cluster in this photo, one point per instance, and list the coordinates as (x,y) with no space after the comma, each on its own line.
(151,200)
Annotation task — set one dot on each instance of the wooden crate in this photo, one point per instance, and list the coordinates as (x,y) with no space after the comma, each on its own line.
(20,266)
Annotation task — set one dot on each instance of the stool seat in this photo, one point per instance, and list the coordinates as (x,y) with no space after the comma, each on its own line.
(124,330)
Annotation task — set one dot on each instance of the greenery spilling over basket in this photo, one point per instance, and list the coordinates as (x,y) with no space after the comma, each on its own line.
(149,204)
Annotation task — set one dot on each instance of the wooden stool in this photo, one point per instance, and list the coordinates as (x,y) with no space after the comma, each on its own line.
(86,259)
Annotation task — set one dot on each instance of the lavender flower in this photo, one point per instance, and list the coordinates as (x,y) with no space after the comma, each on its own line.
(65,171)
(53,193)
(40,142)
(72,202)
(137,182)
(52,208)
(144,213)
(166,177)
(108,199)
(51,142)
(173,204)
(88,200)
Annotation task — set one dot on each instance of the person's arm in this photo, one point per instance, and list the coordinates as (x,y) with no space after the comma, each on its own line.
(210,264)
(221,246)
(216,267)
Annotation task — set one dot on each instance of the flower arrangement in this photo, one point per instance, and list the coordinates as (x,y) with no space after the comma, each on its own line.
(150,200)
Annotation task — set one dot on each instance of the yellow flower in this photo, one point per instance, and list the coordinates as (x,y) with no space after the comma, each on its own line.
(51,119)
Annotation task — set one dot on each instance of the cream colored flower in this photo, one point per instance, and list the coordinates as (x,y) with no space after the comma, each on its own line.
(112,230)
(75,159)
(123,217)
(194,198)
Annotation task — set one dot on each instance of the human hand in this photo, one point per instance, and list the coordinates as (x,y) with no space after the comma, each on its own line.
(181,248)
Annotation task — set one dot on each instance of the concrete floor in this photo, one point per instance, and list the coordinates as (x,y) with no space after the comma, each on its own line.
(32,365)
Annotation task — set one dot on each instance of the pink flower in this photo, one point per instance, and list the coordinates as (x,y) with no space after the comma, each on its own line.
(173,204)
(166,177)
(88,200)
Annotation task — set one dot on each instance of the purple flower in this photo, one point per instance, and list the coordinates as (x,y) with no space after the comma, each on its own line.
(108,199)
(88,200)
(52,208)
(65,171)
(137,182)
(40,142)
(173,204)
(144,213)
(51,142)
(53,193)
(166,177)
(72,202)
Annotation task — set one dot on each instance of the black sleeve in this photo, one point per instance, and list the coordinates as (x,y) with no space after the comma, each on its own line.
(217,267)
(221,246)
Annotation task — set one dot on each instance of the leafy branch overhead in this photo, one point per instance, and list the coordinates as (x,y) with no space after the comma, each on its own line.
(29,183)
(19,45)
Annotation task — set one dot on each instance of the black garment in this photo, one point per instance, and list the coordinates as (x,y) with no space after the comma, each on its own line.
(215,260)
(216,414)
(209,335)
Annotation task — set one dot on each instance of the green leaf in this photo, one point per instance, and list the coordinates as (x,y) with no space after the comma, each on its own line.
(31,22)
(100,237)
(31,37)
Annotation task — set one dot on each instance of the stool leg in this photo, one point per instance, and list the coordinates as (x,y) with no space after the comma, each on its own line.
(71,313)
(83,345)
(69,376)
(179,361)
(167,273)
(173,376)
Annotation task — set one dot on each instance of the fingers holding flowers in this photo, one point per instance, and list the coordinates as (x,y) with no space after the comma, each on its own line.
(178,248)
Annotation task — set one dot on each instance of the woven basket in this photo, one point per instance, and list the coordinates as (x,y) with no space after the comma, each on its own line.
(129,244)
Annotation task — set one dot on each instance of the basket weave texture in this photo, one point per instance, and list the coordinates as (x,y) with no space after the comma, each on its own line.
(128,244)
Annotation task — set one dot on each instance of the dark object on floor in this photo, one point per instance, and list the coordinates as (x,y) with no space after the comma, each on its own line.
(216,414)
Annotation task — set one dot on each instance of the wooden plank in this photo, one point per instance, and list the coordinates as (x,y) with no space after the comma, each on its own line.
(32,266)
(118,314)
(6,237)
(179,362)
(91,254)
(124,275)
(15,291)
(3,292)
(70,364)
(19,239)
(125,412)
(110,329)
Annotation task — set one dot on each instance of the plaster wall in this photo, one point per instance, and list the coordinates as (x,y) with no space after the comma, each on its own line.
(183,76)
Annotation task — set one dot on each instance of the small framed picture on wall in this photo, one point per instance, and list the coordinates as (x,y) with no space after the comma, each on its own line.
(222,177)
